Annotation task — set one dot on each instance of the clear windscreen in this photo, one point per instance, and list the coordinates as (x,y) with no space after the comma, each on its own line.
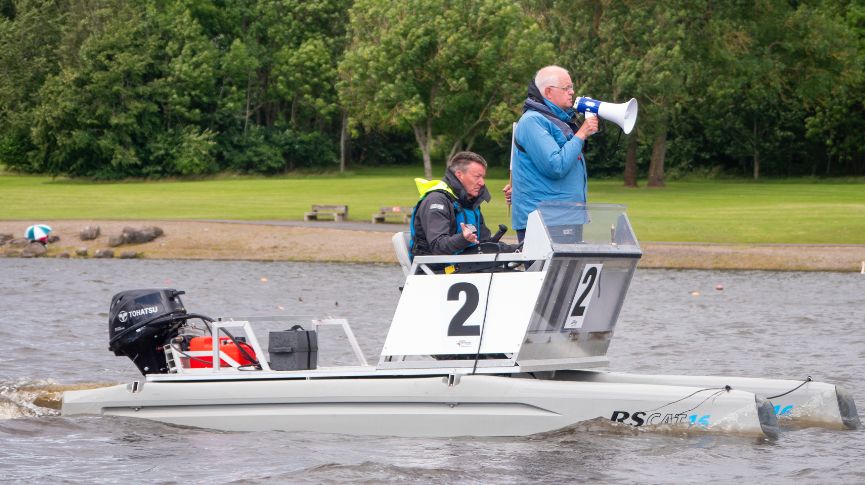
(572,223)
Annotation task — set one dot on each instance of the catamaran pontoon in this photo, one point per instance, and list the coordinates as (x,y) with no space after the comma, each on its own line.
(497,345)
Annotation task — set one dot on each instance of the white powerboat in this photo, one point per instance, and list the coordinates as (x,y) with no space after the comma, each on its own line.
(493,344)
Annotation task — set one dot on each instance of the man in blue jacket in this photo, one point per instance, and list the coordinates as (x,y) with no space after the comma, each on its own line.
(549,164)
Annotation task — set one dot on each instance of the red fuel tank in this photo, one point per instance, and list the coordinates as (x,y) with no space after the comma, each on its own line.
(198,344)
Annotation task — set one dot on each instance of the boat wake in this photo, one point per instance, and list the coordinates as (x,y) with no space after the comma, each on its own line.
(376,472)
(598,425)
(603,426)
(27,398)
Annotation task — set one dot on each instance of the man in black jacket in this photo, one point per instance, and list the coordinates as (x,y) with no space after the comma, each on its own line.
(448,219)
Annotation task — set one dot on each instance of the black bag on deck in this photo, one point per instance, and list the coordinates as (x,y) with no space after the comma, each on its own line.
(294,349)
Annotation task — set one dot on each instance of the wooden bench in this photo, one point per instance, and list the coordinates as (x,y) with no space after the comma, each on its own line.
(394,212)
(338,212)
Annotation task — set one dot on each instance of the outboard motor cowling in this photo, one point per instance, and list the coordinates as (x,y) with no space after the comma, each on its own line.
(140,322)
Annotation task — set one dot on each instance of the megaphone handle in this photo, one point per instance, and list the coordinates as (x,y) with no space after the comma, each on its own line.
(590,114)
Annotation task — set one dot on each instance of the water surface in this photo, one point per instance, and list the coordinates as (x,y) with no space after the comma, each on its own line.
(53,323)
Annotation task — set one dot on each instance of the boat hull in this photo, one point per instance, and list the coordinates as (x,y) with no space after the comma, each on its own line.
(435,406)
(800,403)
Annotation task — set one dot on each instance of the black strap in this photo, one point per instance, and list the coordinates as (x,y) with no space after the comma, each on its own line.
(308,345)
(308,351)
(519,147)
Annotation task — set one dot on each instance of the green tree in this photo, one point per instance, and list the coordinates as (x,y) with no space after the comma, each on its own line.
(30,32)
(131,102)
(839,120)
(444,69)
(277,80)
(769,67)
(646,50)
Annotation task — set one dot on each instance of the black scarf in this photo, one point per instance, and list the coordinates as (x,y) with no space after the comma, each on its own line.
(462,196)
(535,102)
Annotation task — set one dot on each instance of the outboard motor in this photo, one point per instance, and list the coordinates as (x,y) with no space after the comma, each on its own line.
(140,322)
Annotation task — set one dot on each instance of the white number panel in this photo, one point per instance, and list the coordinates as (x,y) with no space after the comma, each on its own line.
(443,314)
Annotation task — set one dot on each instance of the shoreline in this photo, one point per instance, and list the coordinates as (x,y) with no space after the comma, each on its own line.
(362,242)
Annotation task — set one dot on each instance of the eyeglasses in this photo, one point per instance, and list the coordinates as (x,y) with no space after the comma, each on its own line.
(564,88)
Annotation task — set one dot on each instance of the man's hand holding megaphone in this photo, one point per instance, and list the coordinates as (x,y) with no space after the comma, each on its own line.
(588,128)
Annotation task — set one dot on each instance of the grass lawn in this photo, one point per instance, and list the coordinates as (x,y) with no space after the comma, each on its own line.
(788,211)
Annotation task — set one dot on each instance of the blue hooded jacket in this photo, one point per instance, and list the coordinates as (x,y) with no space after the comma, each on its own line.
(548,162)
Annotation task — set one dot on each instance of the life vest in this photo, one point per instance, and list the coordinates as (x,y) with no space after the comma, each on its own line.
(463,215)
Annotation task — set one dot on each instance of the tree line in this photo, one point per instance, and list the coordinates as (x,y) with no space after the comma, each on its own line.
(112,89)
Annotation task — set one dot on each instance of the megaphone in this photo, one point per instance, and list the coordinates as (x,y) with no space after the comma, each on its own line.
(622,114)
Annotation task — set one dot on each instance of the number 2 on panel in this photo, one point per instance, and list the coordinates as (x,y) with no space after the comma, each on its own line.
(585,290)
(457,327)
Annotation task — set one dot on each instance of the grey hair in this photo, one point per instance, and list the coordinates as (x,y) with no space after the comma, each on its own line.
(548,76)
(461,161)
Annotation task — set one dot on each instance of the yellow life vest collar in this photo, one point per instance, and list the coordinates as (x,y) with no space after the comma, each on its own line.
(425,186)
